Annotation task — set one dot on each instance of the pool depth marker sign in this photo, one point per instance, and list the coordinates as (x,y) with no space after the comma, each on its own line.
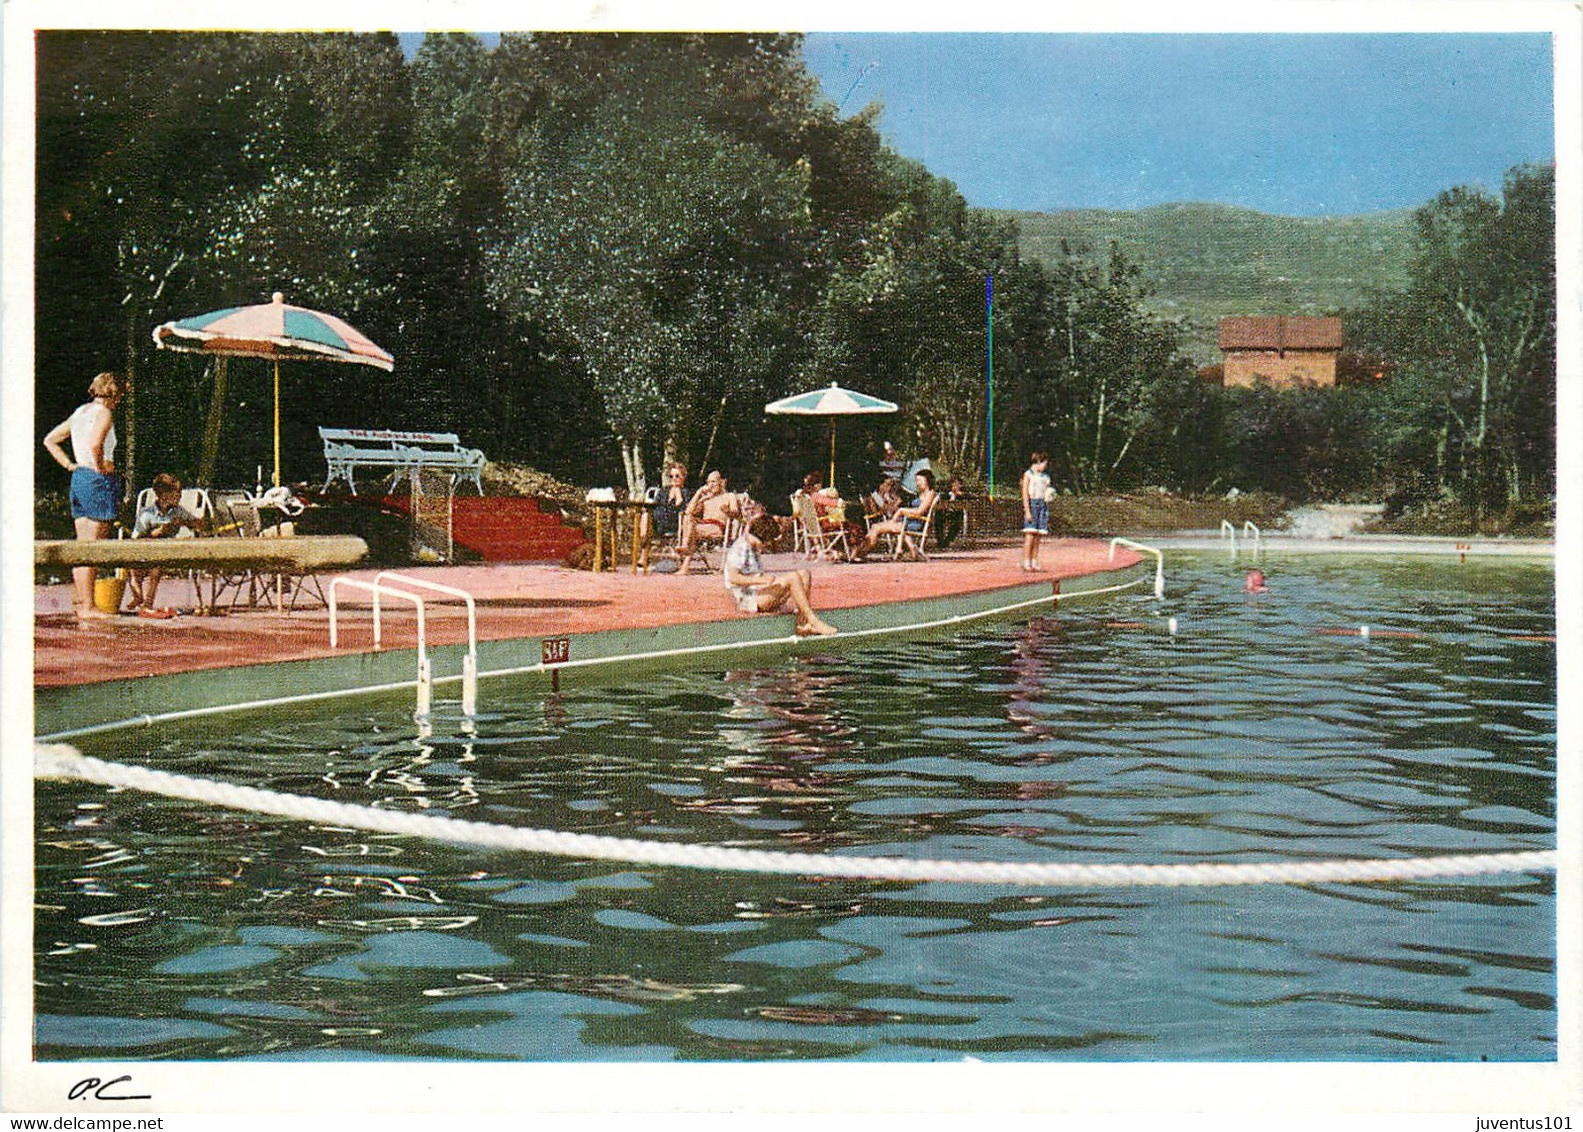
(555,651)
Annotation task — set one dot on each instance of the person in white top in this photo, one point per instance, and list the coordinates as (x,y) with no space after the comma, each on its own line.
(1035,509)
(95,490)
(754,591)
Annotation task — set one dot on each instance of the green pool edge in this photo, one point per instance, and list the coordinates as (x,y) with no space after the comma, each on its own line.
(600,657)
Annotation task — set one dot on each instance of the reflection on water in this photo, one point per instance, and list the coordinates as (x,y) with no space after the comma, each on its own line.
(1259,732)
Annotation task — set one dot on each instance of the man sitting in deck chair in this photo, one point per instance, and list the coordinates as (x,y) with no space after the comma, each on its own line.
(911,520)
(708,517)
(757,592)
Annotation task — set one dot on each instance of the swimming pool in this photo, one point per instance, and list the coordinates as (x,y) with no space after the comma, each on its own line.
(1267,728)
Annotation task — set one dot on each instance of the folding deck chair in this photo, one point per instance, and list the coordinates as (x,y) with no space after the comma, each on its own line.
(817,541)
(799,540)
(912,542)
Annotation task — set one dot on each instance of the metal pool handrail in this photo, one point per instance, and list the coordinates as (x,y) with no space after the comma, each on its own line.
(1229,531)
(425,676)
(470,661)
(1258,535)
(1159,561)
(716,649)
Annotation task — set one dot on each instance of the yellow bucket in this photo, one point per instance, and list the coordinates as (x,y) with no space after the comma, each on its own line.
(108,592)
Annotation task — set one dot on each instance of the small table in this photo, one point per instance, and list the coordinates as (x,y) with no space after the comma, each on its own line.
(262,584)
(637,508)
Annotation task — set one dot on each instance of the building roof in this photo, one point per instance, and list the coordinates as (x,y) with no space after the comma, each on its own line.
(1279,332)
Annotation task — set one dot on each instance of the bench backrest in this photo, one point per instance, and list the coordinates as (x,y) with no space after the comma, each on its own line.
(348,449)
(434,443)
(387,436)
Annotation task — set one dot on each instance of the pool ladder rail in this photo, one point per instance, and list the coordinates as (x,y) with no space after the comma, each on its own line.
(1228,531)
(387,583)
(1159,562)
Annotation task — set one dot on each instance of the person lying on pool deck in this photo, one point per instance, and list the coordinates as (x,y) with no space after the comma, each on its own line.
(754,591)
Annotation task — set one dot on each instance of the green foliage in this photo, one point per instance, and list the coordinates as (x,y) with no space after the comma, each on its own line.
(181,173)
(659,245)
(594,252)
(1208,261)
(1304,444)
(460,359)
(1472,406)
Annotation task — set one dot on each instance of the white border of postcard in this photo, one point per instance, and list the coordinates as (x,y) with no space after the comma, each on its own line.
(356,1094)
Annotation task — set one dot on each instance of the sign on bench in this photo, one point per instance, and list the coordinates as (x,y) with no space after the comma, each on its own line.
(346,450)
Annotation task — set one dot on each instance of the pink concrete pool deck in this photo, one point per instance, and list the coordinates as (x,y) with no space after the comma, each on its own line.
(513,602)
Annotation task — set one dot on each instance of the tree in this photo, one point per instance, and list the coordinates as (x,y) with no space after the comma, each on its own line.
(660,246)
(179,172)
(461,358)
(1114,366)
(1473,400)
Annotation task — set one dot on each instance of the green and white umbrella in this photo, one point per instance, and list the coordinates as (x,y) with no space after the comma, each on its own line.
(274,330)
(832,402)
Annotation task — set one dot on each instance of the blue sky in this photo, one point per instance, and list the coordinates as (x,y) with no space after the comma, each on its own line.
(1295,124)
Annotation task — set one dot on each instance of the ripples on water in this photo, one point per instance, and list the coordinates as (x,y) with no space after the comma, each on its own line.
(1260,732)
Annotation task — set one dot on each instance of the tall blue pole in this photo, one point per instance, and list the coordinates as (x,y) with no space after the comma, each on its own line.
(989,333)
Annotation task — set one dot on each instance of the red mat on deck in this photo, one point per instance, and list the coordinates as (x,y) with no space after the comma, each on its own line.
(506,528)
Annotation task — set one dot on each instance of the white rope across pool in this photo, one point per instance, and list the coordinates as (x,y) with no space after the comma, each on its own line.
(64,761)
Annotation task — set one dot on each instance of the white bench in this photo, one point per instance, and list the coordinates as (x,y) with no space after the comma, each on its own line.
(396,452)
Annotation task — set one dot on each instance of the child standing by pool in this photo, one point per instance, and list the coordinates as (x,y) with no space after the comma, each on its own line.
(1035,509)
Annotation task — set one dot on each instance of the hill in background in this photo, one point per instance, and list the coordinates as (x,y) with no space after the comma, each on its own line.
(1207,261)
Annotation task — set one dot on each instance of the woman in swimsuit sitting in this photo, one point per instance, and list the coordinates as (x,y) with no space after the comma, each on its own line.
(910,519)
(754,591)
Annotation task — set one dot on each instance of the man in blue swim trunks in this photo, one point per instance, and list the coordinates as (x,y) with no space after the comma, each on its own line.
(95,490)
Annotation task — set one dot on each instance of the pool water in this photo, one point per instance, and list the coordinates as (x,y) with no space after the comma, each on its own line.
(1267,728)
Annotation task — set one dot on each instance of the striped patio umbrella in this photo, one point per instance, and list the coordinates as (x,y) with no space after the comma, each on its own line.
(832,402)
(274,330)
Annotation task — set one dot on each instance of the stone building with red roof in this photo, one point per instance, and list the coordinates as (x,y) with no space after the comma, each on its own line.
(1280,350)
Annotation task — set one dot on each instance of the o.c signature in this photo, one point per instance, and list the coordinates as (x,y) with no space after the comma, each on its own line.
(93,1088)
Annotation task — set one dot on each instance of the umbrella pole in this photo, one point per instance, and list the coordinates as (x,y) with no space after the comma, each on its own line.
(831,480)
(277,425)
